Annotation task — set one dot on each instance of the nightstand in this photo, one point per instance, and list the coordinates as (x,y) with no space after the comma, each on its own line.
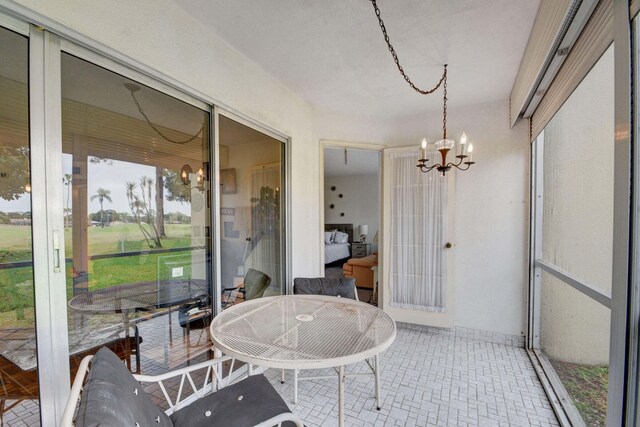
(359,250)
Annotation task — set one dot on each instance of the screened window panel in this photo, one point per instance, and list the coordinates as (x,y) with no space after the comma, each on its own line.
(578,180)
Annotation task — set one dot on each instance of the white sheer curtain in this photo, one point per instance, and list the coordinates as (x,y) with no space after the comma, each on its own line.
(265,223)
(418,235)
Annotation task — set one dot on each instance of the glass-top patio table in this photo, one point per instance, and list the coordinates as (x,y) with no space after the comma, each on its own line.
(305,332)
(132,297)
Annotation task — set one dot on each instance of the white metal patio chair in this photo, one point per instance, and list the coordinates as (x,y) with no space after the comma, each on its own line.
(111,395)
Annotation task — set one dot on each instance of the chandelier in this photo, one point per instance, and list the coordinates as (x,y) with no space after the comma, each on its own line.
(444,146)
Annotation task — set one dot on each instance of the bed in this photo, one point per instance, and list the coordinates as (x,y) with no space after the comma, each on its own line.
(338,252)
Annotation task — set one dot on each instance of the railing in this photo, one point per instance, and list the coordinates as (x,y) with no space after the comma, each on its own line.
(21,264)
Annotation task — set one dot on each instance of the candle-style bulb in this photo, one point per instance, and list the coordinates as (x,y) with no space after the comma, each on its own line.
(470,150)
(463,138)
(424,143)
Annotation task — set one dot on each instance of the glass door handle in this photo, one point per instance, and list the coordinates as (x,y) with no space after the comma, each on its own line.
(56,251)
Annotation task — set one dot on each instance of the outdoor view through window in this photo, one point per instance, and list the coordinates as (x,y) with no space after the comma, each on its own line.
(136,175)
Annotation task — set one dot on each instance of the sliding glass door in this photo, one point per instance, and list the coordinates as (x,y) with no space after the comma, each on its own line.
(252,212)
(19,392)
(136,173)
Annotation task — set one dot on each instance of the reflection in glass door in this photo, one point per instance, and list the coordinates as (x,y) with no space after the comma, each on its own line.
(18,363)
(137,220)
(251,213)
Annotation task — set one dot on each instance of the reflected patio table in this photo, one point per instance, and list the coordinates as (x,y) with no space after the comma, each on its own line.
(305,332)
(132,297)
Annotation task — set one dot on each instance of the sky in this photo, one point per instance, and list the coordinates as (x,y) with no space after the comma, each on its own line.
(111,177)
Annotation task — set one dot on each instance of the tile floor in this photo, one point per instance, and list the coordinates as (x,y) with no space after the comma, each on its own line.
(432,377)
(429,377)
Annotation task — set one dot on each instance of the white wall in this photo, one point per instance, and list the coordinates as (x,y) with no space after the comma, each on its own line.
(491,203)
(490,214)
(159,34)
(360,203)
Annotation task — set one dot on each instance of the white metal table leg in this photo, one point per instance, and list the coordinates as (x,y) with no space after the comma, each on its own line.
(341,396)
(376,365)
(282,376)
(295,386)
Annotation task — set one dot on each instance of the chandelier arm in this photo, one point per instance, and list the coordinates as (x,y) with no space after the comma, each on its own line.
(461,168)
(426,169)
(158,131)
(397,61)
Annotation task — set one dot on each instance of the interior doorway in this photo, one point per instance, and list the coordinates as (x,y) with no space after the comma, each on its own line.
(352,215)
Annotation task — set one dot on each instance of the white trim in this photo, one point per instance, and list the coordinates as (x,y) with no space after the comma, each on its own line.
(215,215)
(584,288)
(633,377)
(561,403)
(13,24)
(253,124)
(46,195)
(620,410)
(326,143)
(535,241)
(100,60)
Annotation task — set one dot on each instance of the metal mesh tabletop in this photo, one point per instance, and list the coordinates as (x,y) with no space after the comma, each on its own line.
(133,296)
(302,331)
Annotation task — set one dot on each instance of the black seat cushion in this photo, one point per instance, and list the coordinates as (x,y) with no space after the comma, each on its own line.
(344,287)
(113,397)
(247,403)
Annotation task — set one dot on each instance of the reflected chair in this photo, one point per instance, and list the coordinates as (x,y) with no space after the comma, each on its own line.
(18,385)
(337,287)
(254,286)
(344,287)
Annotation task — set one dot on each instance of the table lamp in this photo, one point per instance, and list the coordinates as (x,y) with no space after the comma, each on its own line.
(364,230)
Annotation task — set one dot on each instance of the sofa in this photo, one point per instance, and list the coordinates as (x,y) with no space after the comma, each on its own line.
(360,268)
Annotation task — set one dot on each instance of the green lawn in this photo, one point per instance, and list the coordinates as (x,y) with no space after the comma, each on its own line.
(588,387)
(16,284)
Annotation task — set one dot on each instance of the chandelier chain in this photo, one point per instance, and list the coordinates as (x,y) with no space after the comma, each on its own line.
(158,131)
(443,79)
(444,105)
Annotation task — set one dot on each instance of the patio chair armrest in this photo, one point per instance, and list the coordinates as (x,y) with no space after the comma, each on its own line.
(212,380)
(74,395)
(181,371)
(279,419)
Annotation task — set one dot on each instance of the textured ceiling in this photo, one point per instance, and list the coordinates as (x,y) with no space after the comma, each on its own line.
(333,55)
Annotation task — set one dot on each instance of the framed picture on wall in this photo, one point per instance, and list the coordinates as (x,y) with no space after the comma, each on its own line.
(228,181)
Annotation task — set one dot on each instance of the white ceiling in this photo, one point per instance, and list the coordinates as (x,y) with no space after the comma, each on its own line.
(332,53)
(359,162)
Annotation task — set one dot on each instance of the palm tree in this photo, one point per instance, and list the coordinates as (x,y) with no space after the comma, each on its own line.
(102,195)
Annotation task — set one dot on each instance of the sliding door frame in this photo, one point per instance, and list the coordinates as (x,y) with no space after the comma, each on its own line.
(624,301)
(285,194)
(48,39)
